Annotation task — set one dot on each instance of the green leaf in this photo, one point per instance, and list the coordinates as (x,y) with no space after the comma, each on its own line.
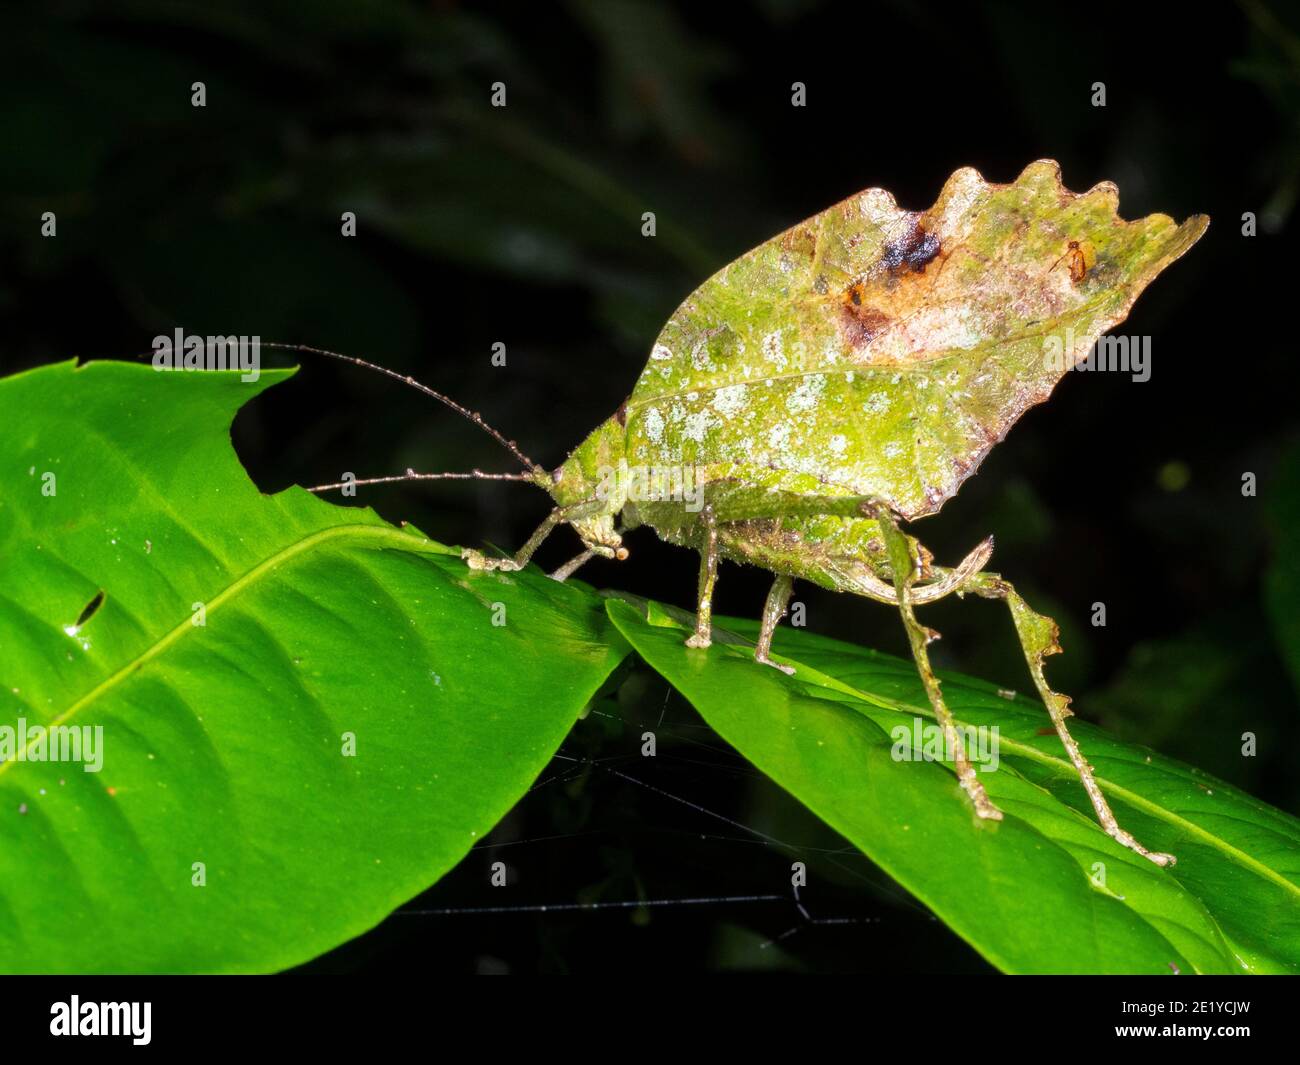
(1025,892)
(223,743)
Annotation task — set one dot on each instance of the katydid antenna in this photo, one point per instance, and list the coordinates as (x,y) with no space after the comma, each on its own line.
(535,472)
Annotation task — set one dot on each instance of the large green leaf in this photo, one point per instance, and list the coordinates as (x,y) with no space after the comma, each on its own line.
(1027,892)
(224,743)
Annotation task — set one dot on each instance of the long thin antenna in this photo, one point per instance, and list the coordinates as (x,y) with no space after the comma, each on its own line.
(464,412)
(411,475)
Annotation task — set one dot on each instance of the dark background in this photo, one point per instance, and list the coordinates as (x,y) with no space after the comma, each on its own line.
(522,225)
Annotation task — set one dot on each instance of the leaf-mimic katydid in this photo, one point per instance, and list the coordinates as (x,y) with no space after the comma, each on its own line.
(845,376)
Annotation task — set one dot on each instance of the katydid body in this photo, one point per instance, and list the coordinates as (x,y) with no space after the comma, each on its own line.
(847,375)
(867,556)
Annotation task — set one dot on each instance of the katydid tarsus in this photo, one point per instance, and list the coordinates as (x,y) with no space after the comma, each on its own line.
(846,376)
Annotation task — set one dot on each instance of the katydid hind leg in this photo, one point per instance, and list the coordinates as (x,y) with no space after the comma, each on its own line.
(1038,635)
(904,568)
(703,634)
(773,611)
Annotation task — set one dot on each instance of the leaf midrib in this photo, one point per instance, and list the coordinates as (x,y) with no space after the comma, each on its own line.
(307,543)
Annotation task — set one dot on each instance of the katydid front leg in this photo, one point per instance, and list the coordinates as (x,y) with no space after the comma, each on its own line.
(904,571)
(703,634)
(773,612)
(1038,638)
(477,560)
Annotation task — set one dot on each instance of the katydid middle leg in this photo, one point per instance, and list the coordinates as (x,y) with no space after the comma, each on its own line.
(773,612)
(563,573)
(703,634)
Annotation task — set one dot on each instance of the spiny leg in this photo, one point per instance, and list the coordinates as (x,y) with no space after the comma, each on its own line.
(904,567)
(1038,637)
(773,612)
(703,635)
(573,565)
(477,560)
(563,573)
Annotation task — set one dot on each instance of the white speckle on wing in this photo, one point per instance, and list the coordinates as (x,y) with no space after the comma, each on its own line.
(730,400)
(697,425)
(838,443)
(654,425)
(660,353)
(774,349)
(778,436)
(877,403)
(806,396)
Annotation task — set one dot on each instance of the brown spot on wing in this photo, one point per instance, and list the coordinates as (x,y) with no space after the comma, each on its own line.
(859,322)
(800,241)
(894,272)
(913,252)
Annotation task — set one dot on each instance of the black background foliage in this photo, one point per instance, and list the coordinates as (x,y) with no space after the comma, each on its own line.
(522,225)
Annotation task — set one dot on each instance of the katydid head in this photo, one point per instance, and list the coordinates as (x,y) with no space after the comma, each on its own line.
(587,488)
(590,489)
